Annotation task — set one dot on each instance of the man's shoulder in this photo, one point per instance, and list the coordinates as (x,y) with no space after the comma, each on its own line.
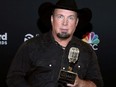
(81,44)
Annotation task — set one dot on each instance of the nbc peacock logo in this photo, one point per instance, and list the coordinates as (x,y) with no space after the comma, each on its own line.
(92,39)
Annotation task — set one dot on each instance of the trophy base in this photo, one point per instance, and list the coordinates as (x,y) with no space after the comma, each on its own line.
(67,77)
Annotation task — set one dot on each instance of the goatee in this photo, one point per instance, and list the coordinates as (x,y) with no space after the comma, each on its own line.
(63,35)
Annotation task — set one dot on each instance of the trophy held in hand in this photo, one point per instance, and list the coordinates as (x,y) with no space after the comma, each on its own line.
(68,76)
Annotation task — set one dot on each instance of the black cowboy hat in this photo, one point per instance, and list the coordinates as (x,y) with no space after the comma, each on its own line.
(72,5)
(46,9)
(66,4)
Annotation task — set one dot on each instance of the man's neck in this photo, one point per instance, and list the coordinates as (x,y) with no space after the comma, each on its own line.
(63,42)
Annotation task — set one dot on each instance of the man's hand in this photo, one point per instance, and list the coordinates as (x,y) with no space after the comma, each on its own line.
(82,83)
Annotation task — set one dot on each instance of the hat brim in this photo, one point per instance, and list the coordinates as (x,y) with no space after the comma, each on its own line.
(46,9)
(84,13)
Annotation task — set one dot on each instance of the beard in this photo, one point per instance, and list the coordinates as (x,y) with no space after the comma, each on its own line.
(63,35)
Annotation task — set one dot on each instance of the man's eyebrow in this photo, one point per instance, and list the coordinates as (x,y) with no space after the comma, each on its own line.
(72,16)
(57,15)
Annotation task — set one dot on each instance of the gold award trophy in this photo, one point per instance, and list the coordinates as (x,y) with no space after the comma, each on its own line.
(68,76)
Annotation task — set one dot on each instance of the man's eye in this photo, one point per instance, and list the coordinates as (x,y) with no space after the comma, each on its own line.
(60,16)
(72,18)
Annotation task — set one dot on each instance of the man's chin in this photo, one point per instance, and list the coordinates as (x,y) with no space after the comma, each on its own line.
(63,35)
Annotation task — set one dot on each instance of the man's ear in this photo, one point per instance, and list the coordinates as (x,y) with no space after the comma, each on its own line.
(51,18)
(77,21)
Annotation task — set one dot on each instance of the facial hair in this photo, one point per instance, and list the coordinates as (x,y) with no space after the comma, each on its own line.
(63,35)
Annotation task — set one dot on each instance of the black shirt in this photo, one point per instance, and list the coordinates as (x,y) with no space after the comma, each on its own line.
(39,61)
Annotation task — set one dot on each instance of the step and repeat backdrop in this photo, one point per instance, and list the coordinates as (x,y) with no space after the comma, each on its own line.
(21,20)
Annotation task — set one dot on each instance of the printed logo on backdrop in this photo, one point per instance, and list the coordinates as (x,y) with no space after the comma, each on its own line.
(3,39)
(29,36)
(92,39)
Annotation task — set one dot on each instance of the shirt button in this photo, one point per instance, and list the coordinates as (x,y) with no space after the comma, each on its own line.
(79,66)
(50,65)
(63,68)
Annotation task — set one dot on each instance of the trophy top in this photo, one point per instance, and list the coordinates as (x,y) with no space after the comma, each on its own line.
(73,54)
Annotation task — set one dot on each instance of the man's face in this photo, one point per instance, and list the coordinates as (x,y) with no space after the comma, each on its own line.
(64,23)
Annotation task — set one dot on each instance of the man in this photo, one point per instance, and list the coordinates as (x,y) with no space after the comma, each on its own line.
(39,61)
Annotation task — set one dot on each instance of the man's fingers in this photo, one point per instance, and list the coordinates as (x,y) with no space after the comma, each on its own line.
(70,85)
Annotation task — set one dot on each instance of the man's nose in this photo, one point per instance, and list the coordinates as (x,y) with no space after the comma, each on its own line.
(65,22)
